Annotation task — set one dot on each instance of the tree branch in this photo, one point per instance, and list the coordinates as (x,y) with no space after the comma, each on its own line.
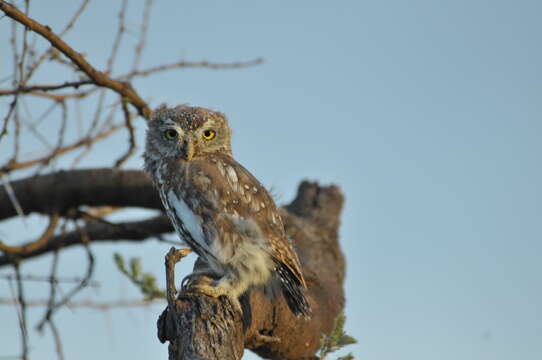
(86,141)
(99,78)
(88,304)
(39,89)
(65,190)
(34,245)
(45,87)
(134,231)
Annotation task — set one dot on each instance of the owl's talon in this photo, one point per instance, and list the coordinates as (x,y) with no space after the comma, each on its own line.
(267,338)
(216,292)
(185,283)
(196,278)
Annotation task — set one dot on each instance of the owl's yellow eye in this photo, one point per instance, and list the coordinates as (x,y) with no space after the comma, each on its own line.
(171,134)
(209,134)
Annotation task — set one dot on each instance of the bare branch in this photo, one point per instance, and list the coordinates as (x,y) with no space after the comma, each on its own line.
(50,307)
(90,304)
(44,87)
(142,34)
(38,89)
(13,104)
(101,79)
(28,248)
(54,306)
(191,64)
(131,136)
(10,166)
(135,231)
(57,338)
(118,37)
(32,68)
(48,279)
(22,313)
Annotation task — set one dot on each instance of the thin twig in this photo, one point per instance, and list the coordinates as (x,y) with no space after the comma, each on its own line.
(100,78)
(97,112)
(80,286)
(191,64)
(45,114)
(57,338)
(22,319)
(10,166)
(47,279)
(89,304)
(131,135)
(142,35)
(35,245)
(25,47)
(50,306)
(94,124)
(63,123)
(50,51)
(39,89)
(45,87)
(13,104)
(31,125)
(16,133)
(118,37)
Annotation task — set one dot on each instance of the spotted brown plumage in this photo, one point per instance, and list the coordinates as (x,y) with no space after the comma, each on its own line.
(219,208)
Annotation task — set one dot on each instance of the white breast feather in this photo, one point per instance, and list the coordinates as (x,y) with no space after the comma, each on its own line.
(191,222)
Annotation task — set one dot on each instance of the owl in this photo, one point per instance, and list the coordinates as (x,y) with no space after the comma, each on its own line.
(220,209)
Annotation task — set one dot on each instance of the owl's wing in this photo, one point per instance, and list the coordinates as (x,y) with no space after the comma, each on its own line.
(234,191)
(259,206)
(287,265)
(224,184)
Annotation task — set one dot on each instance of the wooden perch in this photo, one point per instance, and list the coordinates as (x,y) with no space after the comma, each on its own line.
(201,327)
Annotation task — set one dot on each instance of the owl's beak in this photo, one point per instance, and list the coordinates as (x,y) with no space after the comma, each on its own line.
(188,149)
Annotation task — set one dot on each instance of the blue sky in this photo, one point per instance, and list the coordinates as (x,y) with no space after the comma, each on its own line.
(427,114)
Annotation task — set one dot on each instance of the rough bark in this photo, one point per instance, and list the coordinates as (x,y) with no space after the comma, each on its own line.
(200,327)
(61,191)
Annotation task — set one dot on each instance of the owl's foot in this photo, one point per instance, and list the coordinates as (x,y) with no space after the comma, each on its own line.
(197,277)
(207,286)
(266,339)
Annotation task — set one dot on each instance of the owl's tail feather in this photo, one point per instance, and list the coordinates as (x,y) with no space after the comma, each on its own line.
(246,317)
(294,292)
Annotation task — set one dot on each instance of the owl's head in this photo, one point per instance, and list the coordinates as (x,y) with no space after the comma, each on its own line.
(187,132)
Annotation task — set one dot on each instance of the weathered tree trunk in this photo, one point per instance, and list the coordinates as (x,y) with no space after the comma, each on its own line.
(201,327)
